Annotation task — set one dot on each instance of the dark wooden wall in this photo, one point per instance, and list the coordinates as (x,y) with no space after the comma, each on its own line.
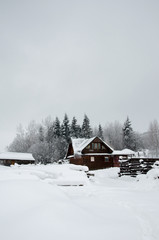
(77,161)
(99,162)
(70,150)
(8,162)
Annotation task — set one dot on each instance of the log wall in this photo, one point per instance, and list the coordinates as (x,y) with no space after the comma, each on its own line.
(135,166)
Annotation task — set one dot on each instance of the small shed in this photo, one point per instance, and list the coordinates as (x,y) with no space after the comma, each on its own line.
(124,154)
(10,158)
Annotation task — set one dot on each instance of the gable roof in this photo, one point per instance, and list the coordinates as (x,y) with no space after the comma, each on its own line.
(16,156)
(79,144)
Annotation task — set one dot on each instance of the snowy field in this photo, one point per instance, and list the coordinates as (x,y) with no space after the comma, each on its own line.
(35,204)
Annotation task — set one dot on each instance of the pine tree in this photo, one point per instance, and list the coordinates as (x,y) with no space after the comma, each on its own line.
(79,131)
(128,135)
(100,132)
(56,128)
(65,128)
(74,130)
(86,130)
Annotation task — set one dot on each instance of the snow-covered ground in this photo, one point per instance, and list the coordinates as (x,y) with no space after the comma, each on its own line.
(37,204)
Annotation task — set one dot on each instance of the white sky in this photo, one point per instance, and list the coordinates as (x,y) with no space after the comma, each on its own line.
(95,57)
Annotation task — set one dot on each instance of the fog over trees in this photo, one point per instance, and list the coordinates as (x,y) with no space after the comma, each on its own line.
(48,141)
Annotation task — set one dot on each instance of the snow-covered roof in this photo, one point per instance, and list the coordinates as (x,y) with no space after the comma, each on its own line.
(80,143)
(123,152)
(17,156)
(98,154)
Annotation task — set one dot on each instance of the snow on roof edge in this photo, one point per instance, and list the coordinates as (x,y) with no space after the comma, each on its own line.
(106,144)
(17,156)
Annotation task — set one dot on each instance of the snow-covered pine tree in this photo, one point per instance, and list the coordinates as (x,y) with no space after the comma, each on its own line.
(74,131)
(100,132)
(57,128)
(128,135)
(86,130)
(79,131)
(65,128)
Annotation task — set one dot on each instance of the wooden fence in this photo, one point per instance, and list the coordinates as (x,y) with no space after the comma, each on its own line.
(135,166)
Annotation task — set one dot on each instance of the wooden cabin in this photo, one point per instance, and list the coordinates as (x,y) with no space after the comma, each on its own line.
(10,158)
(93,153)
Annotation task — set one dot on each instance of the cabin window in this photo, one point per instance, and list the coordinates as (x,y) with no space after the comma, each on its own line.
(103,147)
(88,147)
(96,146)
(92,159)
(106,159)
(99,146)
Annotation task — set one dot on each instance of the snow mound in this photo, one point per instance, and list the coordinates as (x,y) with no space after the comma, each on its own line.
(55,174)
(153,174)
(107,173)
(79,168)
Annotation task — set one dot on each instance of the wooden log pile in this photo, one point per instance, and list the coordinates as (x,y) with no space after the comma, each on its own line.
(134,166)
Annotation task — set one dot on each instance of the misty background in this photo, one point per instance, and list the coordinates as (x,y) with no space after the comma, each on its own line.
(94,57)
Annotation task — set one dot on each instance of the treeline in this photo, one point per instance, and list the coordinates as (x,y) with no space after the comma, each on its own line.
(48,141)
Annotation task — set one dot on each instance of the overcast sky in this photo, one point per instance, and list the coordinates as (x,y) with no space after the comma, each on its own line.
(95,57)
